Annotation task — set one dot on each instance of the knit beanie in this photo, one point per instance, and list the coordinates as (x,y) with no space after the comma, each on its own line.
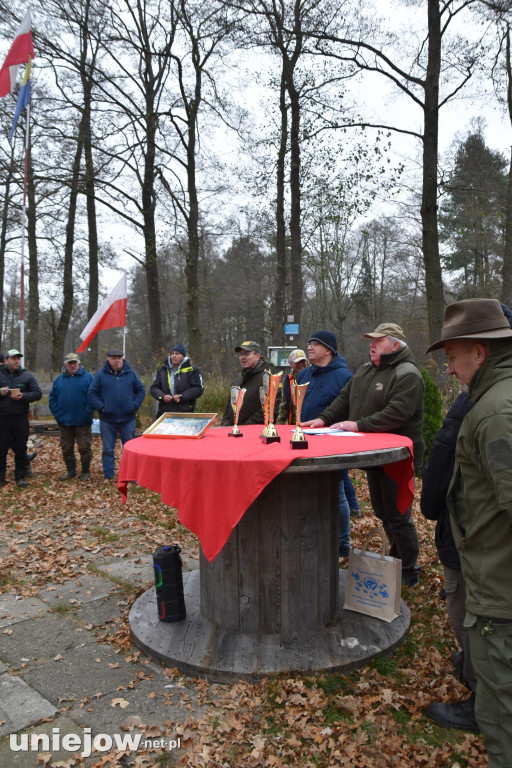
(179,348)
(326,338)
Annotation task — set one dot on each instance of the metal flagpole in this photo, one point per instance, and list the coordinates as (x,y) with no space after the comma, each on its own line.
(23,219)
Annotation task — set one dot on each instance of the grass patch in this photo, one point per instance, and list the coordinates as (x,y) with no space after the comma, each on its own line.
(126,585)
(105,533)
(63,608)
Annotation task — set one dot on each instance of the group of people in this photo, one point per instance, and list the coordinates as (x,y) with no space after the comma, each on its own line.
(115,392)
(467,482)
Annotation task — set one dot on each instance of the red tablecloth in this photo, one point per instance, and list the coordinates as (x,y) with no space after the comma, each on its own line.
(212,481)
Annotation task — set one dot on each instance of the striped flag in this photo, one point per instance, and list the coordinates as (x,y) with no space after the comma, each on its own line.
(23,98)
(111,314)
(20,52)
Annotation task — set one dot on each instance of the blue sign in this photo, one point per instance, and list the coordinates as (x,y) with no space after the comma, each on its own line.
(291,329)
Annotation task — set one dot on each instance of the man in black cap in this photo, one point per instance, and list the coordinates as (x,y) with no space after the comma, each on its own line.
(177,383)
(18,388)
(116,393)
(477,339)
(253,366)
(386,395)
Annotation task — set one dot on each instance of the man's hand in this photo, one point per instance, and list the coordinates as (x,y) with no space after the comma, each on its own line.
(176,398)
(313,423)
(346,426)
(167,398)
(16,396)
(4,391)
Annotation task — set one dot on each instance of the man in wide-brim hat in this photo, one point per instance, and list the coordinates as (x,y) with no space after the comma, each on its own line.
(477,340)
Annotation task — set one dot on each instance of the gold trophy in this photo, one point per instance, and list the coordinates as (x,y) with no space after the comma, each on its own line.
(237,398)
(298,393)
(268,394)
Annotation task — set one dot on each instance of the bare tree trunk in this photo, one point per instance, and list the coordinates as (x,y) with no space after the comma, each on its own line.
(430,236)
(3,243)
(507,256)
(295,209)
(279,306)
(33,272)
(60,329)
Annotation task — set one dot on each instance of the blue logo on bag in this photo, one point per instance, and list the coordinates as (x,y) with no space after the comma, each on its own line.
(369,586)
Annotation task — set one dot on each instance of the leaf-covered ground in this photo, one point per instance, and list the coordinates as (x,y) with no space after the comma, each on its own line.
(371,718)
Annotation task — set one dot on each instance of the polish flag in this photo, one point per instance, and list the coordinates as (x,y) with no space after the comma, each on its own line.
(111,314)
(19,53)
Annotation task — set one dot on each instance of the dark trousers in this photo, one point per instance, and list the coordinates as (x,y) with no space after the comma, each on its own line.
(14,434)
(400,529)
(83,438)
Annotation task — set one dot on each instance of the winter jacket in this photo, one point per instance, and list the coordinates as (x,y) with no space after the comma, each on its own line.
(188,382)
(325,384)
(480,494)
(28,386)
(68,398)
(251,411)
(384,398)
(437,474)
(116,396)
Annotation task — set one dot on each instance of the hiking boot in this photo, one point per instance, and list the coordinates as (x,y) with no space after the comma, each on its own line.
(71,467)
(355,513)
(86,467)
(458,714)
(21,482)
(410,578)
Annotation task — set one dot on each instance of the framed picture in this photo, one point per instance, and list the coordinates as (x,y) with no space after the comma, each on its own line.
(174,425)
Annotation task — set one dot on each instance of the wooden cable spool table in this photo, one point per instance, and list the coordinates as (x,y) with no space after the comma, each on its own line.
(268,594)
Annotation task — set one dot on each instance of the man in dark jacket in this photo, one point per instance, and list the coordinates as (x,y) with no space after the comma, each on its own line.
(18,388)
(68,403)
(326,377)
(297,361)
(386,395)
(116,393)
(177,383)
(253,366)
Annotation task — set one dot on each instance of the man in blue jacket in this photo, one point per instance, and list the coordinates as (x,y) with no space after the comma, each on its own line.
(327,375)
(116,393)
(68,403)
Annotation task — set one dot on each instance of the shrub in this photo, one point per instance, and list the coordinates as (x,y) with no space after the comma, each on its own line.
(433,415)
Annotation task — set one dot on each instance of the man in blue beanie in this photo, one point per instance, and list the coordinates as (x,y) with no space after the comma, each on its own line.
(326,375)
(177,384)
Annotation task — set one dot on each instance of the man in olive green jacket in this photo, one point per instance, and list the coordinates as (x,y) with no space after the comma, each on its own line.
(478,343)
(386,395)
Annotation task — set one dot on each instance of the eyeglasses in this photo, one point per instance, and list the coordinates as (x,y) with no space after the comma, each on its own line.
(313,344)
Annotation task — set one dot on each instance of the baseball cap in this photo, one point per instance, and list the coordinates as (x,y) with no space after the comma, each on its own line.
(386,329)
(71,357)
(296,356)
(249,346)
(14,353)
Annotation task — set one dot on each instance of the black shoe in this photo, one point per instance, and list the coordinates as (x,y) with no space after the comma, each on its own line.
(31,456)
(343,551)
(21,482)
(355,513)
(410,578)
(459,714)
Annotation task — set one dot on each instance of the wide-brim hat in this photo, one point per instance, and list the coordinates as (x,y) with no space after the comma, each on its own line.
(473,319)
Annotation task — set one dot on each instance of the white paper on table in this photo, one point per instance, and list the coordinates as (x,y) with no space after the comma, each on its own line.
(333,432)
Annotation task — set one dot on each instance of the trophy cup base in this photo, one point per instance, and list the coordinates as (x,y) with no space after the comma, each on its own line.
(235,434)
(266,440)
(298,445)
